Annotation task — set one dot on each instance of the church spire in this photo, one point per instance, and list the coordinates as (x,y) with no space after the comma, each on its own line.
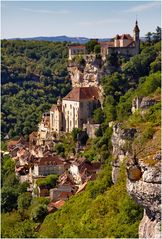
(136,28)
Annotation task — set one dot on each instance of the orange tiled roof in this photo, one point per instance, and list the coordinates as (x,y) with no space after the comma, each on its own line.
(58,204)
(82,93)
(82,187)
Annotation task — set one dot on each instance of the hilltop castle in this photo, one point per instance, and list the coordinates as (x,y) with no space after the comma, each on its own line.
(124,44)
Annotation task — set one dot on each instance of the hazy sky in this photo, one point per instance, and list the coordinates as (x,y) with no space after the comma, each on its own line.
(79,18)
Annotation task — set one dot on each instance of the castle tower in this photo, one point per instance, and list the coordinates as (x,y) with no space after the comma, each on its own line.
(136,37)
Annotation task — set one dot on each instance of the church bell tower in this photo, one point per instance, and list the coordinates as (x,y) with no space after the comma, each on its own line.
(136,37)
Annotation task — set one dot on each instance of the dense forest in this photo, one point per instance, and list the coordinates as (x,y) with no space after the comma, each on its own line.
(33,75)
(103,209)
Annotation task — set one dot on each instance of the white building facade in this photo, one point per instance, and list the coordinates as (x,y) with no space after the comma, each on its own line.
(75,109)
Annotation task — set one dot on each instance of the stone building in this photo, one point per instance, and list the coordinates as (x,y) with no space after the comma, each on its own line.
(74,110)
(124,44)
(76,50)
(78,106)
(48,165)
(56,116)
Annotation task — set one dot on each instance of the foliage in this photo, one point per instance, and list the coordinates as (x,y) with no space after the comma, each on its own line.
(24,201)
(97,49)
(66,145)
(11,187)
(59,149)
(75,133)
(98,116)
(38,213)
(8,199)
(148,132)
(33,75)
(20,229)
(49,181)
(153,37)
(79,60)
(102,210)
(113,60)
(90,46)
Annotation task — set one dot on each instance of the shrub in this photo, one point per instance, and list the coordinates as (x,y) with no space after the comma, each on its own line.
(98,116)
(59,148)
(148,132)
(24,201)
(90,46)
(75,133)
(38,213)
(49,182)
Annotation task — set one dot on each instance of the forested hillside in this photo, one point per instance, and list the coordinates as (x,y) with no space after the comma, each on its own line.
(33,75)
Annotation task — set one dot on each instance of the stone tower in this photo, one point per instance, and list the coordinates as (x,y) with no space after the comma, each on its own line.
(136,37)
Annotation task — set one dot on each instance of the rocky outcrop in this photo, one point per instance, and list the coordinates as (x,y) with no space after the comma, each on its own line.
(120,142)
(143,175)
(142,103)
(146,191)
(89,73)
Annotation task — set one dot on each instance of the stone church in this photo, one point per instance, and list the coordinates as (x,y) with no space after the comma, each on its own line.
(74,109)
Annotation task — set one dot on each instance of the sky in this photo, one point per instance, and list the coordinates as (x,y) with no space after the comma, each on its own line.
(93,19)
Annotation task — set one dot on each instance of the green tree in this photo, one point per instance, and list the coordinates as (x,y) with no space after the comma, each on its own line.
(97,49)
(50,181)
(157,34)
(98,116)
(24,201)
(75,133)
(90,46)
(148,37)
(38,213)
(59,149)
(8,199)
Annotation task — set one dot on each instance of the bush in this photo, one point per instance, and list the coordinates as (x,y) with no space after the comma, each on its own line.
(59,148)
(75,133)
(49,182)
(148,132)
(97,49)
(90,46)
(98,116)
(38,213)
(24,201)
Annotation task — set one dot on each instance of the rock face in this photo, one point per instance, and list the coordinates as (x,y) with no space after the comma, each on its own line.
(142,103)
(120,140)
(88,74)
(147,192)
(143,176)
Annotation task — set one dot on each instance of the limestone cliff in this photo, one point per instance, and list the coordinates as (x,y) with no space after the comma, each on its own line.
(89,73)
(143,174)
(146,190)
(120,140)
